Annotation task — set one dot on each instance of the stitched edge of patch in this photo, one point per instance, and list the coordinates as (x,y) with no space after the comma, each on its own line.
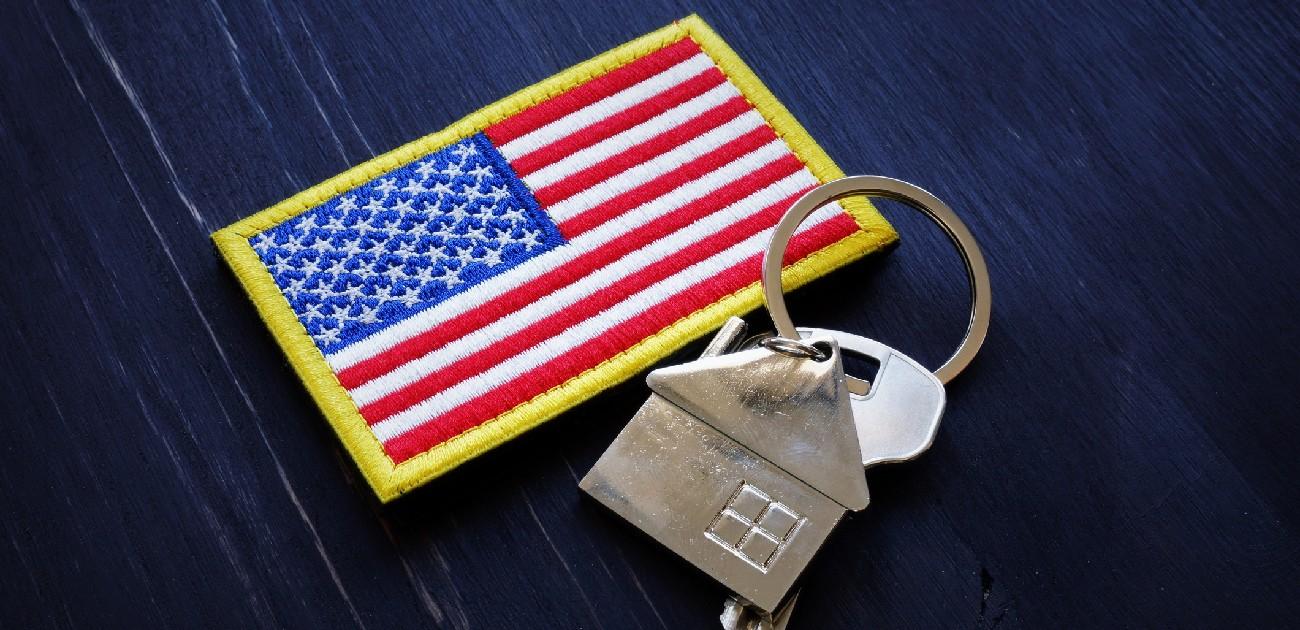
(390,481)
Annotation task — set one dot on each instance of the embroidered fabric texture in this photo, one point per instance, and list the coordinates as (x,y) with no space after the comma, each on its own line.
(447,296)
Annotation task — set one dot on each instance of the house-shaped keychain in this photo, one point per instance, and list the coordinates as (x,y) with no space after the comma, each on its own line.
(741,462)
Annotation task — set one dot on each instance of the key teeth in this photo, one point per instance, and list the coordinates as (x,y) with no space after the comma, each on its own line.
(739,613)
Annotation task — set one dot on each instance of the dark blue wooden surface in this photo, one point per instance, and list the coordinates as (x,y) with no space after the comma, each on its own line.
(1123,453)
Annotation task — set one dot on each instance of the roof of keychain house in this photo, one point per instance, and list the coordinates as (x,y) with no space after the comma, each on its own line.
(792,411)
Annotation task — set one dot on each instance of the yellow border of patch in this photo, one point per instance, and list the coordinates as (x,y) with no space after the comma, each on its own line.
(390,481)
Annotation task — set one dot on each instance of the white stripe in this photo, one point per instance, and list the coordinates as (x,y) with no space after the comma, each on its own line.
(558,257)
(606,107)
(620,142)
(630,263)
(577,335)
(641,173)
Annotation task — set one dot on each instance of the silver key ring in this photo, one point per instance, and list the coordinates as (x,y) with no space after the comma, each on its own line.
(795,348)
(876,186)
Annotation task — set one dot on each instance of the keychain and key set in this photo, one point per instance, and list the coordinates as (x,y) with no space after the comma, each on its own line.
(743,461)
(448,296)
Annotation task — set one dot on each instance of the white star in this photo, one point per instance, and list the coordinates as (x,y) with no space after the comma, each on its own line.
(423,274)
(386,186)
(306,224)
(492,257)
(450,277)
(406,248)
(353,293)
(441,189)
(339,312)
(465,256)
(312,312)
(376,204)
(365,223)
(394,273)
(293,246)
(264,242)
(453,170)
(348,203)
(459,212)
(480,171)
(513,214)
(367,315)
(335,223)
(351,246)
(310,266)
(447,232)
(476,233)
(464,150)
(410,298)
(425,168)
(368,269)
(529,240)
(413,187)
(471,192)
(337,266)
(503,238)
(404,206)
(433,209)
(327,290)
(499,192)
(328,336)
(281,264)
(295,288)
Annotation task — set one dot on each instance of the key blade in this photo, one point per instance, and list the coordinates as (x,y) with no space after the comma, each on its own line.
(740,614)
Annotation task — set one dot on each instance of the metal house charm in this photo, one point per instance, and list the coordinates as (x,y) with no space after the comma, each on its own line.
(741,463)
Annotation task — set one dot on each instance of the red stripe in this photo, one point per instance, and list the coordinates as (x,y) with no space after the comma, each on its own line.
(512,301)
(583,95)
(618,123)
(642,152)
(617,339)
(670,181)
(581,311)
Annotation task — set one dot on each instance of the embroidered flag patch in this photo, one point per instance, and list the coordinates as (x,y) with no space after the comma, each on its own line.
(447,296)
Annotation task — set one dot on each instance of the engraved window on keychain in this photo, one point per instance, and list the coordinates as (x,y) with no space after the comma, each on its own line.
(754,526)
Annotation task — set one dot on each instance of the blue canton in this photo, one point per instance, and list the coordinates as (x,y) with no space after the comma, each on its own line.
(404,242)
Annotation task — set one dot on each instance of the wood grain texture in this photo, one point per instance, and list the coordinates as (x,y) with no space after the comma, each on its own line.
(1123,453)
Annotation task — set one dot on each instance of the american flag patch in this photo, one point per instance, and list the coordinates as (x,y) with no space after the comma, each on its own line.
(445,297)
